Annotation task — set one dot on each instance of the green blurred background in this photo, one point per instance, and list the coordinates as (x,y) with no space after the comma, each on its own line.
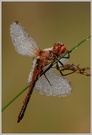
(47,23)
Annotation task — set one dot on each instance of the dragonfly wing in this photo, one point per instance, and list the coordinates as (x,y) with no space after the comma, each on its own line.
(31,72)
(60,86)
(23,44)
(62,60)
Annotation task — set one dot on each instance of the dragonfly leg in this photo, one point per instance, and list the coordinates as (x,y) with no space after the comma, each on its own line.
(66,57)
(47,79)
(59,62)
(43,73)
(62,72)
(66,74)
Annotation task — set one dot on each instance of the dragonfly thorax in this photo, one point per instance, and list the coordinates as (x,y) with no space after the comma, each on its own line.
(46,56)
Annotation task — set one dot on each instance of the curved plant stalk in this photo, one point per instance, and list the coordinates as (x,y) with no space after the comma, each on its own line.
(74,47)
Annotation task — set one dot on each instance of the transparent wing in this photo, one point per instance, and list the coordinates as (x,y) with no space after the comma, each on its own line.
(23,44)
(60,86)
(63,60)
(31,72)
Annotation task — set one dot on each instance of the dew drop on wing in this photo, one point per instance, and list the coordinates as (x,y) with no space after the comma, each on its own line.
(22,42)
(60,86)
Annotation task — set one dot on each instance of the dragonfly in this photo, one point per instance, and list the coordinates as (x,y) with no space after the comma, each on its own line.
(48,83)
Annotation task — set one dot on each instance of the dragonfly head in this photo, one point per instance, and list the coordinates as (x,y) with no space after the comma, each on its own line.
(59,48)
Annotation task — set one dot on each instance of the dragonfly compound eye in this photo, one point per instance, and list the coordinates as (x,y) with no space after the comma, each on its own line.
(59,48)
